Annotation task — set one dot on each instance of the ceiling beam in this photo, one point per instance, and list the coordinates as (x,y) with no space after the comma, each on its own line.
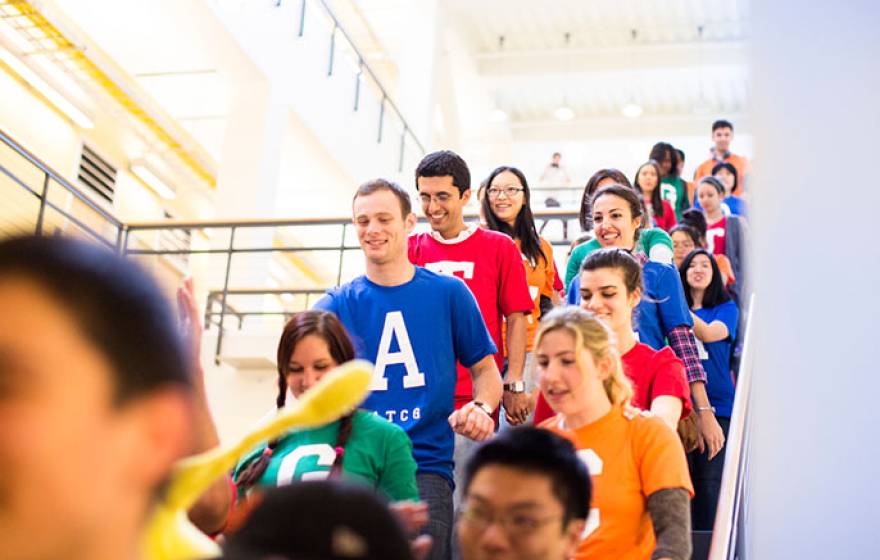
(536,63)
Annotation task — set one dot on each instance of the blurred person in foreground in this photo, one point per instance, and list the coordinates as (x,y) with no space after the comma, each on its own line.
(526,496)
(98,401)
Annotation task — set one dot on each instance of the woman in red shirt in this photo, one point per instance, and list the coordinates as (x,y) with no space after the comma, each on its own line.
(647,182)
(611,286)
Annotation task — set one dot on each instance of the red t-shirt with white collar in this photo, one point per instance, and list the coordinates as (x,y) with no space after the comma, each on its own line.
(491,266)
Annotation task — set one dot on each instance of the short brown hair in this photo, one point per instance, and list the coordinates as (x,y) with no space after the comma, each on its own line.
(376,185)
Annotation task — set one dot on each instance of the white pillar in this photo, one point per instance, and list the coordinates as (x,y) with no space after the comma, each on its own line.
(814,472)
(417,61)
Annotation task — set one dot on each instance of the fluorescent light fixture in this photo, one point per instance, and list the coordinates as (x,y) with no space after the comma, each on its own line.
(564,113)
(632,110)
(142,171)
(498,116)
(47,91)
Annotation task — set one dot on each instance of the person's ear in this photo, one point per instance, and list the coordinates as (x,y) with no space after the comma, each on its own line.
(410,222)
(465,196)
(572,537)
(160,434)
(606,366)
(634,297)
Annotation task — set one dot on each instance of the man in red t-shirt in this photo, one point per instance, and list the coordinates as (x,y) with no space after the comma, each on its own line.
(722,136)
(490,265)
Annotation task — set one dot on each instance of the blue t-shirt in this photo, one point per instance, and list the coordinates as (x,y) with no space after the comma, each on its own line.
(414,333)
(662,307)
(737,205)
(719,381)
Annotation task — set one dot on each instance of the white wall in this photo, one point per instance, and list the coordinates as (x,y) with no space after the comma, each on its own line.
(813,489)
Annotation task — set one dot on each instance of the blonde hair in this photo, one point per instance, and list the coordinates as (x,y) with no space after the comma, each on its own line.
(592,335)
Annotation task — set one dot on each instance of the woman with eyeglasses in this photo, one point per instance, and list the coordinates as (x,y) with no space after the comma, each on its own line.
(506,209)
(641,487)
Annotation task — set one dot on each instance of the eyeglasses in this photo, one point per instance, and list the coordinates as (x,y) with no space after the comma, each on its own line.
(509,192)
(514,524)
(440,198)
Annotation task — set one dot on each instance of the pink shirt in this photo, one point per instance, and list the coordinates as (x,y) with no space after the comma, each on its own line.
(491,266)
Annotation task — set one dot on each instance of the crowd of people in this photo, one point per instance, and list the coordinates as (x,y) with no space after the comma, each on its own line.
(510,415)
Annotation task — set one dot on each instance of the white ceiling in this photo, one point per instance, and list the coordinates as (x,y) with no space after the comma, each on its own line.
(672,68)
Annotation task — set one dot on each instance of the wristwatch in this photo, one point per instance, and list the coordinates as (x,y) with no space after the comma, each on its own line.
(515,387)
(484,407)
(702,408)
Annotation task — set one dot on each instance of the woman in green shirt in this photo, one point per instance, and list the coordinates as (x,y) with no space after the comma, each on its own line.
(654,242)
(672,188)
(361,446)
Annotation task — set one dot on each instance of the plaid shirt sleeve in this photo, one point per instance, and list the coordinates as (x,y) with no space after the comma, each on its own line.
(685,347)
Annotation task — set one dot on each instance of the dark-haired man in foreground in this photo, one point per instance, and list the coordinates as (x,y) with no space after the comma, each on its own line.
(526,495)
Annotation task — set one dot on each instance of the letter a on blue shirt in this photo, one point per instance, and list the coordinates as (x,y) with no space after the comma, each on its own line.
(414,333)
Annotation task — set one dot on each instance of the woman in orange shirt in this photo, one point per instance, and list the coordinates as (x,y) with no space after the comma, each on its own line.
(641,487)
(505,208)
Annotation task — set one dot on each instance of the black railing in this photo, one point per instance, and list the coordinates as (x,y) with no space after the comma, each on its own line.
(364,68)
(44,194)
(232,230)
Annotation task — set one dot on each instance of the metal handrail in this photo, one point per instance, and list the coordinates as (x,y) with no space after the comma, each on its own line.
(554,213)
(363,65)
(730,500)
(235,226)
(50,176)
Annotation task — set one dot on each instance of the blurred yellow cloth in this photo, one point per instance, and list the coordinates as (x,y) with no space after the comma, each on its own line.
(170,536)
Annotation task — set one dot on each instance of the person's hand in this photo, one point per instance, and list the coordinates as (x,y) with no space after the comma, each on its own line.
(711,434)
(516,407)
(190,319)
(472,422)
(413,516)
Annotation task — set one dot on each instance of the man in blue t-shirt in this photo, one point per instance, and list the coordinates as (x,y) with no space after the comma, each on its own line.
(414,325)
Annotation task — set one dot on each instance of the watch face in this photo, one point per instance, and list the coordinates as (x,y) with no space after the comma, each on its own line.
(515,386)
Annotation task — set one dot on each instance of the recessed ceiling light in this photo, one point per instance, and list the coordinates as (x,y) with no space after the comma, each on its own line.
(564,113)
(498,115)
(632,110)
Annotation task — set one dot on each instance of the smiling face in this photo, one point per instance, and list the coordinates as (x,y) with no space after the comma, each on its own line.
(603,291)
(699,272)
(613,222)
(311,360)
(709,198)
(381,227)
(506,207)
(442,204)
(568,377)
